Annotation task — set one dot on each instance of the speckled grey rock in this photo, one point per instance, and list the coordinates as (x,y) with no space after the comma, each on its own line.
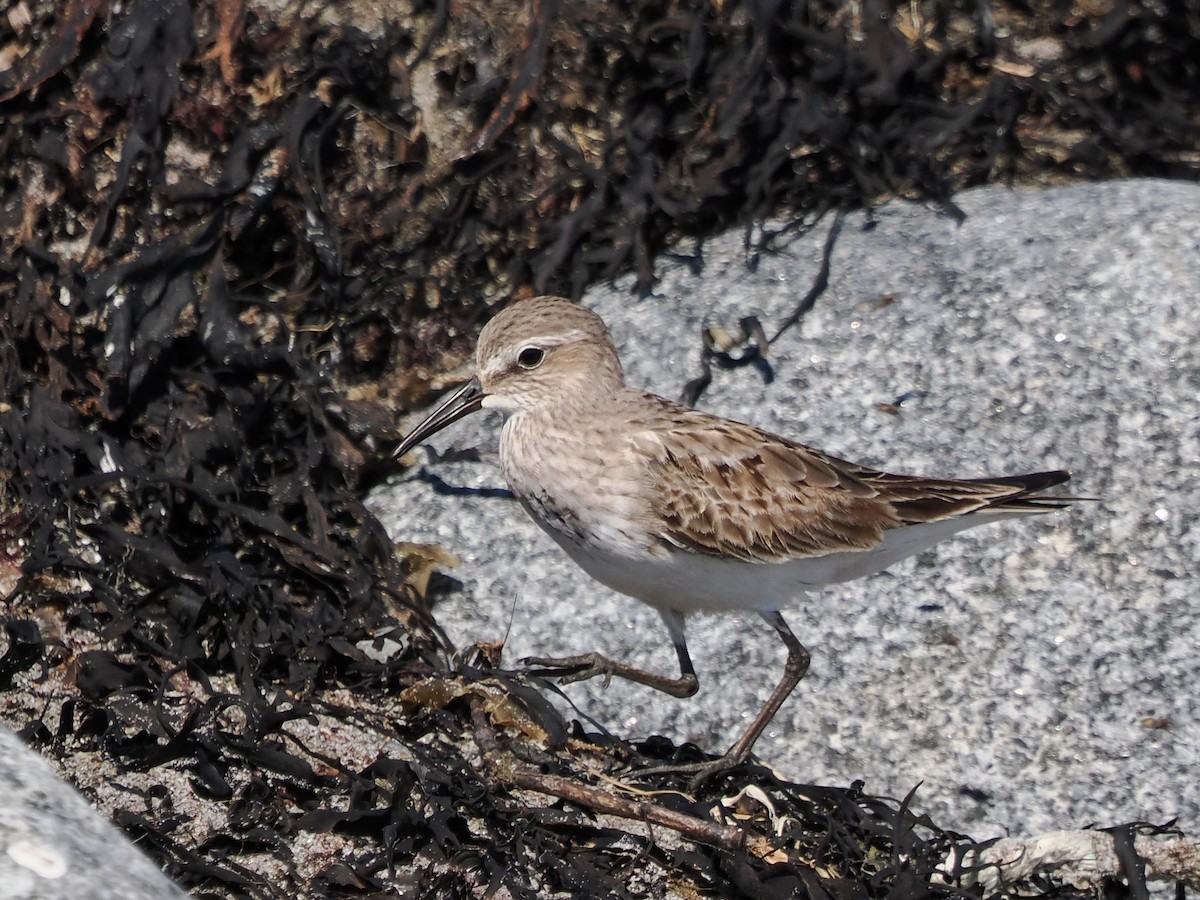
(53,845)
(1016,672)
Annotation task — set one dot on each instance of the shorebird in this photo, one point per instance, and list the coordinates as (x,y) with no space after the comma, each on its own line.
(688,511)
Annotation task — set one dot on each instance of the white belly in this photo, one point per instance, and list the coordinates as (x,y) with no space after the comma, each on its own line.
(689,582)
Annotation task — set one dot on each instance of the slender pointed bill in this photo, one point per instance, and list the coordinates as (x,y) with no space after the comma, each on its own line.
(466,400)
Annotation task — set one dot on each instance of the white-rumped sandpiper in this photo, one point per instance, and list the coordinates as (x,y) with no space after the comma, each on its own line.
(688,511)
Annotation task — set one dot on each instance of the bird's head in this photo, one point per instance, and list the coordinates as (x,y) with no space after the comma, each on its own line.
(535,354)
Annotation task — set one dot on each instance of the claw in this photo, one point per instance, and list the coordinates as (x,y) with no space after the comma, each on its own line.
(701,772)
(569,669)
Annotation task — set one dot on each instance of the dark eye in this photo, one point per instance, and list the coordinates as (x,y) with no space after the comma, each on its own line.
(531,357)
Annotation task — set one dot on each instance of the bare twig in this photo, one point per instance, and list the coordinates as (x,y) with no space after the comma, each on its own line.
(504,769)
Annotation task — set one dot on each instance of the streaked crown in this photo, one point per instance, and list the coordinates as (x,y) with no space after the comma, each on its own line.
(545,350)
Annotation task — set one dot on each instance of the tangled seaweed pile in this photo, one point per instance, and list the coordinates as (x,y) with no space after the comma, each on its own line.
(235,239)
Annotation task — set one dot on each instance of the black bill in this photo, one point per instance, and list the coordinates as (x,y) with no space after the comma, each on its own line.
(466,400)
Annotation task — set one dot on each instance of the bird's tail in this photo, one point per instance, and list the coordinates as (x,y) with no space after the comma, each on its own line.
(1023,499)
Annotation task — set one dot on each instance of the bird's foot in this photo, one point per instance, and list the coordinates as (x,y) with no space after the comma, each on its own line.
(700,772)
(569,669)
(580,668)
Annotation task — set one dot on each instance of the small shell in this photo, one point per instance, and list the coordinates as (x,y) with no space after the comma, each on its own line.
(44,860)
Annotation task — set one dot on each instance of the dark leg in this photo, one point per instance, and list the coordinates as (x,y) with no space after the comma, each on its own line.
(793,671)
(569,669)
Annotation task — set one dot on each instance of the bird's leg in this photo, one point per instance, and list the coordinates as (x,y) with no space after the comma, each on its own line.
(569,669)
(793,670)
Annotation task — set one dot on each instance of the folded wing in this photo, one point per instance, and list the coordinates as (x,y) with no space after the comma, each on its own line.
(728,489)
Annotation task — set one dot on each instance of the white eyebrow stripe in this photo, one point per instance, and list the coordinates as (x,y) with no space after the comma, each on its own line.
(555,340)
(499,364)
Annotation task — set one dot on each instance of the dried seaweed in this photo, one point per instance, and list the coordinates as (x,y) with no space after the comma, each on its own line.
(234,246)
